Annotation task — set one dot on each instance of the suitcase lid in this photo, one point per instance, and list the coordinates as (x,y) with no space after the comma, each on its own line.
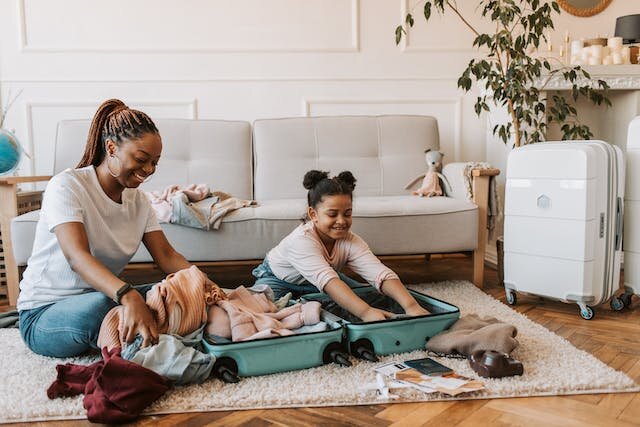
(552,160)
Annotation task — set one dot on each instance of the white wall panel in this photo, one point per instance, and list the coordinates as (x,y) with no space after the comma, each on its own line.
(188,26)
(441,33)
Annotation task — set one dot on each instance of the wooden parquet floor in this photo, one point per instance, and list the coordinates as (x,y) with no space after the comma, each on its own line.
(613,337)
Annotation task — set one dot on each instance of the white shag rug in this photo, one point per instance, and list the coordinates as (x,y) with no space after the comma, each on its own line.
(552,366)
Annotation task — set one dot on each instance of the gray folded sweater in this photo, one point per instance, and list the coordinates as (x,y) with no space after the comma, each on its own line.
(472,333)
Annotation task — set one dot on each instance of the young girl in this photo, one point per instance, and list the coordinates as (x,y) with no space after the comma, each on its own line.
(311,257)
(92,221)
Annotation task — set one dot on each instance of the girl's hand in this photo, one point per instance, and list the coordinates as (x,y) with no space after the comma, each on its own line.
(137,319)
(372,314)
(416,310)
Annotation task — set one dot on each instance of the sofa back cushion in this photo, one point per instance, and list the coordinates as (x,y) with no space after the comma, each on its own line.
(384,153)
(212,152)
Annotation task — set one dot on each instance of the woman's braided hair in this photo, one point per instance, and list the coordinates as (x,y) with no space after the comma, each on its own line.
(117,122)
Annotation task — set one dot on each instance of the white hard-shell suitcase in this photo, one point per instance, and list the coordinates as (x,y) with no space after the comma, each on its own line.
(632,215)
(563,222)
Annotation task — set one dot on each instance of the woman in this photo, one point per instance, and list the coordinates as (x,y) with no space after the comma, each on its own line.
(92,221)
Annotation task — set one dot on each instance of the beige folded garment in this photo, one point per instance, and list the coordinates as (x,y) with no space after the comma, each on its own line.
(472,333)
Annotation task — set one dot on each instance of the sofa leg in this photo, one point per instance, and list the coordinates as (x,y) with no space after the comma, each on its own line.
(481,199)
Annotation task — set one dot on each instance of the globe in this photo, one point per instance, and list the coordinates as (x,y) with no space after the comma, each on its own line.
(10,152)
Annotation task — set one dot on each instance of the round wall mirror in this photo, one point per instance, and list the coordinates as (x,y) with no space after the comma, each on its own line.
(584,7)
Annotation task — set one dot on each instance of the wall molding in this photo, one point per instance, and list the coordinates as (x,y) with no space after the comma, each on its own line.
(24,46)
(29,105)
(243,80)
(456,102)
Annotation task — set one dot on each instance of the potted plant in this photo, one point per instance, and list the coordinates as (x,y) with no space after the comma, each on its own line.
(511,75)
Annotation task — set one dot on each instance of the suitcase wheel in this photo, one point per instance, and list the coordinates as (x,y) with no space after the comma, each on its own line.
(586,312)
(363,349)
(226,369)
(616,303)
(626,299)
(511,297)
(333,354)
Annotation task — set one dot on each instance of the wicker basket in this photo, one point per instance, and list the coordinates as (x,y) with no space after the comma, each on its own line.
(27,201)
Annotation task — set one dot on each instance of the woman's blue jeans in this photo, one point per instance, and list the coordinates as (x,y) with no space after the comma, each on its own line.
(68,327)
(265,276)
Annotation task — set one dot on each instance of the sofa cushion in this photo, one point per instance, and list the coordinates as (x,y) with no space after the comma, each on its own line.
(420,225)
(212,152)
(384,153)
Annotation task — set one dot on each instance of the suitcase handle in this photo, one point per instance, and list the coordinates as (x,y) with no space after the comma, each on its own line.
(619,222)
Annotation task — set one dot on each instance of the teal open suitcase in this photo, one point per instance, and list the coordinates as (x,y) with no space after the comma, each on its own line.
(368,339)
(279,354)
(345,334)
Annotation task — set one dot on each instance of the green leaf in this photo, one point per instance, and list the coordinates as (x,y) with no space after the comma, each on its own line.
(427,10)
(399,31)
(409,19)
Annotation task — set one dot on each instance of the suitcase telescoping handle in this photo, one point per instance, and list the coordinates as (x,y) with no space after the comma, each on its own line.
(619,222)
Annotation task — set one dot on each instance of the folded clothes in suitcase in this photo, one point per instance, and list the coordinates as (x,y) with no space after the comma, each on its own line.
(279,354)
(403,333)
(563,222)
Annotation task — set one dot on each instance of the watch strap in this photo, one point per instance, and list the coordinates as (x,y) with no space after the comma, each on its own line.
(121,292)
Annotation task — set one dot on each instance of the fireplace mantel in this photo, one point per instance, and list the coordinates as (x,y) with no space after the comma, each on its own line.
(618,77)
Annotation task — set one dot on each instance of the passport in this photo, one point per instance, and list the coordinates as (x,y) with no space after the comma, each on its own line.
(428,366)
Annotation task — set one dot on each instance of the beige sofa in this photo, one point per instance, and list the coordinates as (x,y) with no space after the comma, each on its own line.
(266,162)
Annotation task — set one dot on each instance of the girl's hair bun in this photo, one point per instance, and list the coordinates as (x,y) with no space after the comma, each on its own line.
(313,177)
(347,178)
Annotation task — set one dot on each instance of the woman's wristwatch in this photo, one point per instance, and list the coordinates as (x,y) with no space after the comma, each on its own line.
(121,292)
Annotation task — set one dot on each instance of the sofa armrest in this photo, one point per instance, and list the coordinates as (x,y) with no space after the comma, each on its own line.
(9,209)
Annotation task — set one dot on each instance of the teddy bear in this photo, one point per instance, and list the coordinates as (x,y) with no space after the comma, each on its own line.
(431,182)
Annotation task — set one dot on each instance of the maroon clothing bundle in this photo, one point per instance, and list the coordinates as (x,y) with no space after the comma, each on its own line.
(115,390)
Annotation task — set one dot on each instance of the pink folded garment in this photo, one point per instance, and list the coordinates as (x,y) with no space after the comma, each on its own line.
(246,316)
(179,305)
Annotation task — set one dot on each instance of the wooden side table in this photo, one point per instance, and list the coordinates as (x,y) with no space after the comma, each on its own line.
(480,185)
(12,204)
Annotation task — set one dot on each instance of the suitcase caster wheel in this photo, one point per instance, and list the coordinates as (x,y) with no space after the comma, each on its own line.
(587,312)
(626,299)
(227,370)
(616,303)
(511,298)
(363,349)
(333,354)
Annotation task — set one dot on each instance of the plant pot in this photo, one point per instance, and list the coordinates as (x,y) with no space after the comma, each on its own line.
(500,252)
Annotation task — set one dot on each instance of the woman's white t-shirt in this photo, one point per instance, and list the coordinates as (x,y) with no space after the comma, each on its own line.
(114,231)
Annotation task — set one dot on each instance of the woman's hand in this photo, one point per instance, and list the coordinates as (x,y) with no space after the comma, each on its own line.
(137,319)
(373,314)
(416,310)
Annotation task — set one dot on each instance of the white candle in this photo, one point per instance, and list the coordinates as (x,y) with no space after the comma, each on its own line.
(584,55)
(606,50)
(576,47)
(596,51)
(607,60)
(617,58)
(575,60)
(594,60)
(614,43)
(626,54)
